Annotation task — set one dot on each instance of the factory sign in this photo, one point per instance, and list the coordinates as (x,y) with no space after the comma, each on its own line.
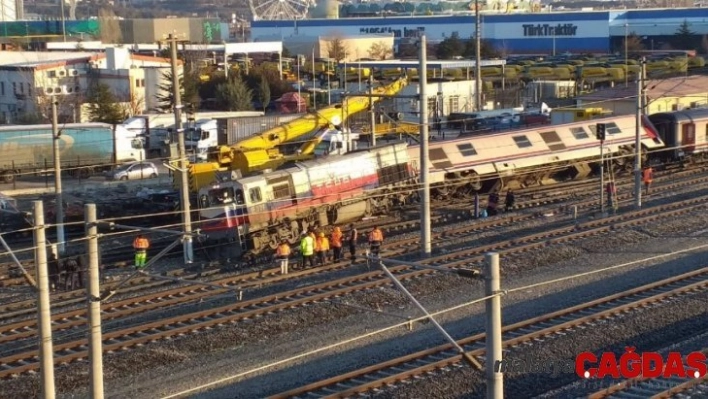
(387,30)
(545,30)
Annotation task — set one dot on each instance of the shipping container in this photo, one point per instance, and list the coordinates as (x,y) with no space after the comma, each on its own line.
(231,130)
(83,147)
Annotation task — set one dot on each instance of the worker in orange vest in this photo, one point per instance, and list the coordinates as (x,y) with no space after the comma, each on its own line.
(141,245)
(322,248)
(336,244)
(647,177)
(375,240)
(282,254)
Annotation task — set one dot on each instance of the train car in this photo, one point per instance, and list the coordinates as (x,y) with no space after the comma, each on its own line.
(528,157)
(84,148)
(259,211)
(264,209)
(684,132)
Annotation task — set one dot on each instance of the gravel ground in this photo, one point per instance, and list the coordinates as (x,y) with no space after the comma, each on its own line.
(237,349)
(243,347)
(647,329)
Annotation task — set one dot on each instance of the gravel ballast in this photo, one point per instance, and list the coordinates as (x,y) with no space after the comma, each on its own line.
(175,365)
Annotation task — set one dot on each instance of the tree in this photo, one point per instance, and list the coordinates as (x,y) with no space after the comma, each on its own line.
(380,50)
(103,106)
(110,28)
(337,49)
(486,49)
(235,95)
(189,92)
(264,93)
(685,38)
(451,47)
(632,44)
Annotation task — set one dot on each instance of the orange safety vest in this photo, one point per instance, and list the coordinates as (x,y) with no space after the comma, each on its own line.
(141,243)
(336,238)
(648,175)
(283,250)
(376,235)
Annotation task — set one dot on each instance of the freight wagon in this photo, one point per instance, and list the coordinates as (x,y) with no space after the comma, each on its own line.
(84,148)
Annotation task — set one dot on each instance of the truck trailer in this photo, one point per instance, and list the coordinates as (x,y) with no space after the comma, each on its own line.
(84,148)
(158,130)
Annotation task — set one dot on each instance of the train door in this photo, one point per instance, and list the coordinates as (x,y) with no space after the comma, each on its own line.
(688,138)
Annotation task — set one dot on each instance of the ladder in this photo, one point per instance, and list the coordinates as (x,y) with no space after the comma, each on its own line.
(614,204)
(241,238)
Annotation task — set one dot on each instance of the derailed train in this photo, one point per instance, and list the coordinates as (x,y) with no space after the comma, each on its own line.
(257,212)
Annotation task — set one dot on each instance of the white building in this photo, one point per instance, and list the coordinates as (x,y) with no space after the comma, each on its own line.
(444,98)
(11,10)
(29,79)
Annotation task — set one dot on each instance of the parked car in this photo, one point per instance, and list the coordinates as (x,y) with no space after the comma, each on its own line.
(133,171)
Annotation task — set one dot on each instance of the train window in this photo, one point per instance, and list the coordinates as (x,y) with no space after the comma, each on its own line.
(522,141)
(579,133)
(281,191)
(612,128)
(466,150)
(255,194)
(553,140)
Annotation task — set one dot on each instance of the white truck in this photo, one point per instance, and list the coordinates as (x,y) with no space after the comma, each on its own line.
(158,130)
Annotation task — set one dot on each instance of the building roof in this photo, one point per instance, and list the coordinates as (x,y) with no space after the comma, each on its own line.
(656,88)
(47,60)
(436,64)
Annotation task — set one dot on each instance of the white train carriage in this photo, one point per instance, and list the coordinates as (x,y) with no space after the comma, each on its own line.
(532,156)
(279,205)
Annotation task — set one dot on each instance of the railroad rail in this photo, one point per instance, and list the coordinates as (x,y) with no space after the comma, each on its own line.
(406,367)
(657,388)
(269,304)
(115,257)
(185,294)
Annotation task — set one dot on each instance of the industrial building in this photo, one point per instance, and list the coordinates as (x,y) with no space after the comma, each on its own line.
(663,95)
(29,79)
(520,33)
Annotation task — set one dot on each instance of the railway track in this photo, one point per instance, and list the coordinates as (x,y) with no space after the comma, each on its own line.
(417,364)
(657,388)
(536,196)
(252,309)
(185,294)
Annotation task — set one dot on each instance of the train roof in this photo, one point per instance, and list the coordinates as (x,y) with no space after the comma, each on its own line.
(63,126)
(684,115)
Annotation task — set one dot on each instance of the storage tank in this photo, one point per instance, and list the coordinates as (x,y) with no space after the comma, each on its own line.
(328,9)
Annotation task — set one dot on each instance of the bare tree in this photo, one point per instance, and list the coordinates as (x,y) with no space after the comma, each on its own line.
(380,50)
(135,104)
(337,48)
(110,28)
(35,92)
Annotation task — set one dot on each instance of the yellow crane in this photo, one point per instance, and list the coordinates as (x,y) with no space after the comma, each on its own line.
(260,151)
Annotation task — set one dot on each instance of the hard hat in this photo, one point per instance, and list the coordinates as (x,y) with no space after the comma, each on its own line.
(321,234)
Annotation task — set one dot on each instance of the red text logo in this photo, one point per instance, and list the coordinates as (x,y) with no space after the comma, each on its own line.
(646,365)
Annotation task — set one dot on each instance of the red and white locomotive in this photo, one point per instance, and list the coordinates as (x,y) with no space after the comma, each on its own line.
(257,212)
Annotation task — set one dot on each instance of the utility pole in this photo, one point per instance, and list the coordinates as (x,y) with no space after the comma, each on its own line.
(182,154)
(495,379)
(44,312)
(426,246)
(314,81)
(56,136)
(478,57)
(94,304)
(638,135)
(372,111)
